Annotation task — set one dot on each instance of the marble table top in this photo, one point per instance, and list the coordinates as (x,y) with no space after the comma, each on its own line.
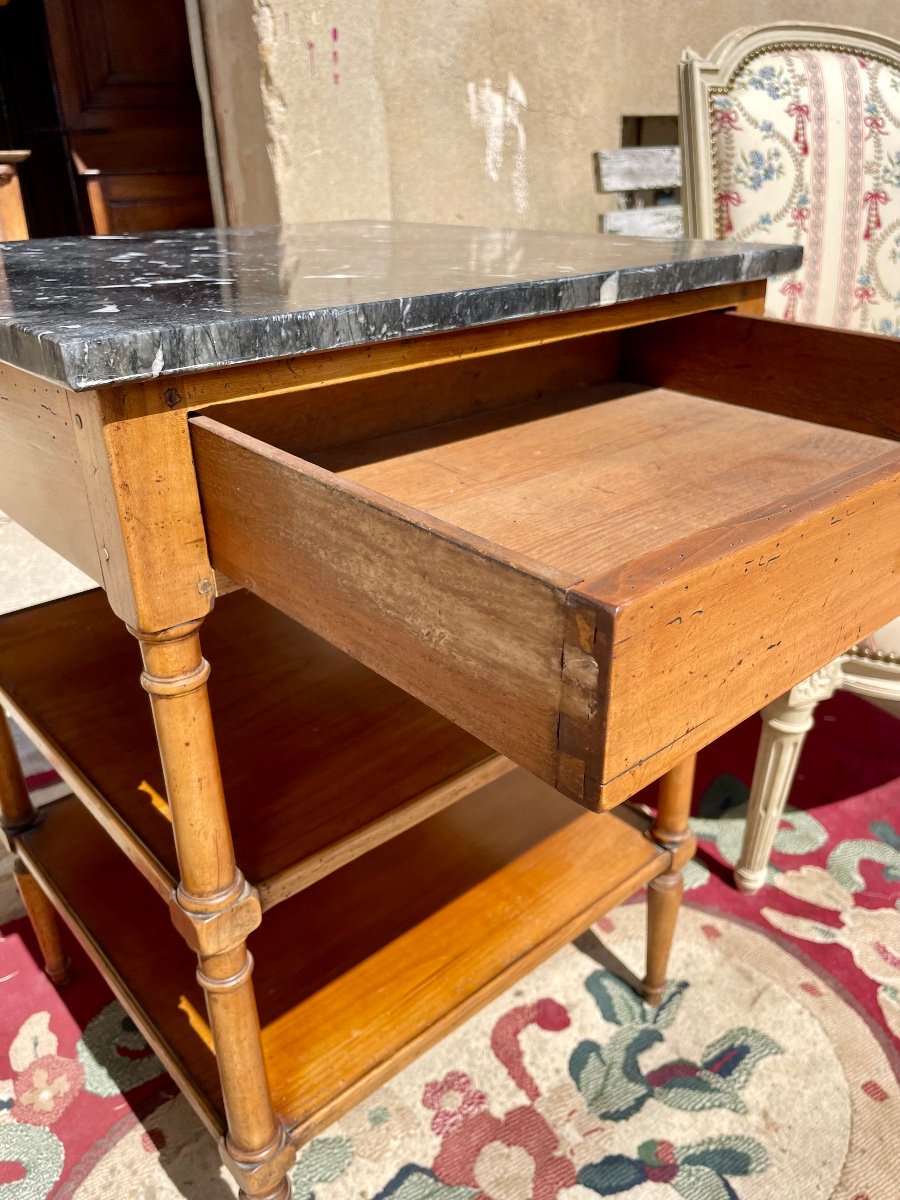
(85,312)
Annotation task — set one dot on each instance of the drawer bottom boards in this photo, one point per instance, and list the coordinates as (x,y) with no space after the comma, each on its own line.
(359,973)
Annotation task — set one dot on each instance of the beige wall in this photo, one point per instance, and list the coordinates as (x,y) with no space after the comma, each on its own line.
(473,111)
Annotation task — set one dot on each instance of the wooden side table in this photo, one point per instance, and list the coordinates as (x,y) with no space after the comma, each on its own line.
(471,501)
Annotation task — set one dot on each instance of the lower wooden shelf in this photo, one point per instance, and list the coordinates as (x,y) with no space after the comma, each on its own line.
(336,758)
(363,970)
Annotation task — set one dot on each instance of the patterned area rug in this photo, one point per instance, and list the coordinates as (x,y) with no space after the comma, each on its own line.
(771,1069)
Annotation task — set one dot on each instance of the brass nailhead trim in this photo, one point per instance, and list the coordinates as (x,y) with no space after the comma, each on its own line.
(779,48)
(882,656)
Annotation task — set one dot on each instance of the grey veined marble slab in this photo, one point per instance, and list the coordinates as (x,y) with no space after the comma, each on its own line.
(91,311)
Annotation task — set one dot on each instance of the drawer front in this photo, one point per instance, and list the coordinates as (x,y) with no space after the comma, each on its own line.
(709,630)
(600,657)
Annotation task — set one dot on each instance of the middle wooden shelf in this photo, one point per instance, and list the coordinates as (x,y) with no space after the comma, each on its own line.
(321,759)
(358,974)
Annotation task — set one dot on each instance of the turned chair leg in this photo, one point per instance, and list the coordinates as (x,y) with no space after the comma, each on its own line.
(786,722)
(17,814)
(670,829)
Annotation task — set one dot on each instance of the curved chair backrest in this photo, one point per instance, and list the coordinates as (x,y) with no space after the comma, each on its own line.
(791,133)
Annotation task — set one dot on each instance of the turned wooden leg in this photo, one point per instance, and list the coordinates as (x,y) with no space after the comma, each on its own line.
(281,1192)
(214,907)
(45,924)
(669,829)
(663,904)
(786,722)
(17,814)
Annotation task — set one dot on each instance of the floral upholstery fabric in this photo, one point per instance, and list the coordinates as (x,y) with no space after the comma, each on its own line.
(807,150)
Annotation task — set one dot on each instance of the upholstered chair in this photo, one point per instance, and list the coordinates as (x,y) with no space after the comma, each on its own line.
(791,133)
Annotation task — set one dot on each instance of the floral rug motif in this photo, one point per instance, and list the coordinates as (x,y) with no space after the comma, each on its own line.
(770,1070)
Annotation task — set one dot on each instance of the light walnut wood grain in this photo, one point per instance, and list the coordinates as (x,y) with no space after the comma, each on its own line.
(13,223)
(586,486)
(670,829)
(212,898)
(16,810)
(17,813)
(829,376)
(403,816)
(142,493)
(326,741)
(663,903)
(477,896)
(334,413)
(727,619)
(281,378)
(44,922)
(410,598)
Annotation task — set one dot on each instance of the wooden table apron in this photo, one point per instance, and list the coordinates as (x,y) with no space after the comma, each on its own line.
(107,478)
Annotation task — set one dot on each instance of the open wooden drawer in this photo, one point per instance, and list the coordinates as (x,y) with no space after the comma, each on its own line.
(593,574)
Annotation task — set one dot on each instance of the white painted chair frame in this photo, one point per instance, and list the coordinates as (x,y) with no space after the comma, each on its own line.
(871,669)
(786,722)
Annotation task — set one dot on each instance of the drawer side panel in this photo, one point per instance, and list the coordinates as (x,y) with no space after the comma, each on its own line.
(832,377)
(41,484)
(476,638)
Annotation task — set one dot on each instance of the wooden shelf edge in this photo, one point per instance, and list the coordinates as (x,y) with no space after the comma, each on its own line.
(103,813)
(310,870)
(131,1003)
(383,993)
(303,873)
(303,1130)
(309,867)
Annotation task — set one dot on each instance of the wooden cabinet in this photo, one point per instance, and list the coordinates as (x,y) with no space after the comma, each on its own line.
(128,102)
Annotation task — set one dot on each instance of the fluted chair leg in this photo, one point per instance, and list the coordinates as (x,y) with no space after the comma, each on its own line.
(785,724)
